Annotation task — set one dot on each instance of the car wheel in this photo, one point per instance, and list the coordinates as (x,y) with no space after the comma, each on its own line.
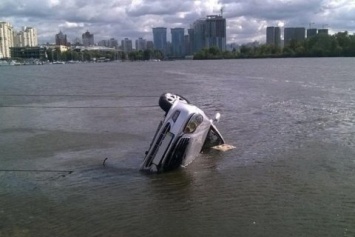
(166,100)
(183,99)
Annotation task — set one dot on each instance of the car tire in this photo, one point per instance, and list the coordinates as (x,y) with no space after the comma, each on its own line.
(166,100)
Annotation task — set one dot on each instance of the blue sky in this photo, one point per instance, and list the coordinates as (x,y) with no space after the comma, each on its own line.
(246,19)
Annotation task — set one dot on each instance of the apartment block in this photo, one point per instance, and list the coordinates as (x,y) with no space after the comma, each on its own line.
(141,44)
(208,32)
(88,39)
(323,31)
(160,39)
(311,32)
(178,42)
(215,32)
(126,45)
(27,37)
(6,39)
(294,33)
(273,36)
(61,39)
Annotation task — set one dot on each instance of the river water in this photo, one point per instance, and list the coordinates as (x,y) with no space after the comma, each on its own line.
(291,174)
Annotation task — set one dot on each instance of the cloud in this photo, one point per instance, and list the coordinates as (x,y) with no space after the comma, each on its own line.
(246,20)
(71,25)
(141,8)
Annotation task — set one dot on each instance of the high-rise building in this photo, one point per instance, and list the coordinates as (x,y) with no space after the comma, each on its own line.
(311,32)
(169,48)
(294,33)
(199,39)
(32,36)
(103,43)
(113,43)
(150,44)
(178,42)
(88,39)
(77,41)
(141,44)
(187,45)
(273,36)
(191,34)
(126,45)
(6,39)
(215,32)
(208,32)
(323,31)
(160,39)
(27,37)
(61,39)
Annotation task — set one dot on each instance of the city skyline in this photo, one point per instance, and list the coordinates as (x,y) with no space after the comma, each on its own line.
(246,21)
(207,32)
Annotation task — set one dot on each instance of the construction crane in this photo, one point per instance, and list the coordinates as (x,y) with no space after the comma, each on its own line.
(222,9)
(310,25)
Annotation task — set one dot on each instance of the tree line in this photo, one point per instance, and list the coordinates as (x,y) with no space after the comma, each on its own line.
(74,55)
(91,55)
(321,45)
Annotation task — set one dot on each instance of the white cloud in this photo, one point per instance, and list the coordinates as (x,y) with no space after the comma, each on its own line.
(71,25)
(246,19)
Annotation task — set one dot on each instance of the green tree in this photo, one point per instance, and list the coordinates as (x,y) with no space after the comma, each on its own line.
(157,54)
(147,54)
(246,51)
(288,52)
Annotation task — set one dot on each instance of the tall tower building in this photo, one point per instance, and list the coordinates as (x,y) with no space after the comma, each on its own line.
(294,33)
(215,32)
(126,45)
(159,39)
(61,39)
(311,32)
(208,32)
(278,41)
(273,36)
(113,43)
(77,41)
(31,38)
(26,38)
(150,44)
(323,31)
(198,35)
(103,43)
(88,39)
(191,34)
(6,39)
(141,44)
(187,45)
(178,42)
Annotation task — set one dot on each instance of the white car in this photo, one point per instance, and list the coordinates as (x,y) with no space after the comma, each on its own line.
(182,134)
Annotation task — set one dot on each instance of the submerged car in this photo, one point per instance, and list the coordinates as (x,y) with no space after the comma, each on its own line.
(182,134)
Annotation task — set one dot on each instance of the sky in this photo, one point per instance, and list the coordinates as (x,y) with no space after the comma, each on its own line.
(246,19)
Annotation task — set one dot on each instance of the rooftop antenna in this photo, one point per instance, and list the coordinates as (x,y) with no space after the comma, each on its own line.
(222,9)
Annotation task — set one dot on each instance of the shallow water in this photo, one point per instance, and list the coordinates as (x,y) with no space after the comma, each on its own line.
(291,174)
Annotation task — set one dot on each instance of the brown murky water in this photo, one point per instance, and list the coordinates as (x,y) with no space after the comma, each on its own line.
(292,173)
